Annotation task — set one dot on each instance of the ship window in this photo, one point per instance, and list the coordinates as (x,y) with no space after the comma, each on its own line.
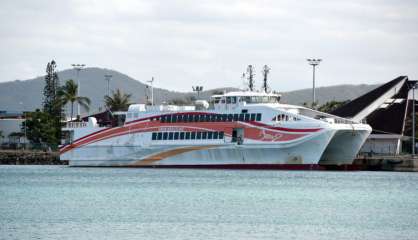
(165,136)
(187,135)
(210,135)
(224,117)
(244,110)
(258,117)
(157,118)
(218,117)
(163,119)
(151,119)
(201,118)
(204,135)
(213,118)
(190,118)
(221,135)
(252,116)
(176,135)
(182,135)
(154,136)
(233,100)
(199,135)
(159,136)
(168,118)
(235,117)
(230,117)
(215,135)
(228,100)
(193,135)
(173,118)
(170,135)
(247,117)
(241,117)
(196,118)
(207,118)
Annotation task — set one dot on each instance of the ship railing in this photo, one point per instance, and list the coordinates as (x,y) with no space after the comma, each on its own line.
(76,124)
(335,120)
(343,121)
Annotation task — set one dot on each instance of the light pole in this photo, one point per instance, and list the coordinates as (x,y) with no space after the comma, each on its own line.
(78,68)
(152,90)
(107,78)
(197,89)
(313,63)
(24,126)
(413,119)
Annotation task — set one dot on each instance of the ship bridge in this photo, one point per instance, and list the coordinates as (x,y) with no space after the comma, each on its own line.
(232,100)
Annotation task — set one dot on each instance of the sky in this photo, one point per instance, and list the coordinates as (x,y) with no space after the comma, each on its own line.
(210,43)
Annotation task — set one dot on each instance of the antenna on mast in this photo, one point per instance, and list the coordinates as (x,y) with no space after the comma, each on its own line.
(250,76)
(266,71)
(152,91)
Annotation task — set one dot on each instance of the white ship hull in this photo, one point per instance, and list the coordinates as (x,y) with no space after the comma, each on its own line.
(331,147)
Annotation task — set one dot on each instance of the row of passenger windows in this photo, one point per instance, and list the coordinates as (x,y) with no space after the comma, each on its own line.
(284,117)
(243,117)
(187,135)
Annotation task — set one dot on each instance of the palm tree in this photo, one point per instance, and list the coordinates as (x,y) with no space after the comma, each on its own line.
(68,94)
(119,101)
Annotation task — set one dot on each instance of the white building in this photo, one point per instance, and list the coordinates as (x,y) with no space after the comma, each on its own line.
(11,128)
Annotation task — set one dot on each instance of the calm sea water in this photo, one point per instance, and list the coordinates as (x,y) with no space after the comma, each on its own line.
(58,202)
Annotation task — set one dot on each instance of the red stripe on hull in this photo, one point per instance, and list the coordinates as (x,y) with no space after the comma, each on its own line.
(264,135)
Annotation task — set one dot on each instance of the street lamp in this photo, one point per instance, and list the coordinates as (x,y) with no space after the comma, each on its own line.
(197,89)
(313,63)
(152,90)
(413,118)
(78,68)
(24,126)
(107,78)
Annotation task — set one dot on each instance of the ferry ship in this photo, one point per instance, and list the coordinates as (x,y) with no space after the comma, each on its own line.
(241,129)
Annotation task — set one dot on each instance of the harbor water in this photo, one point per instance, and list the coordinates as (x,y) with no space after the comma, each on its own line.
(60,202)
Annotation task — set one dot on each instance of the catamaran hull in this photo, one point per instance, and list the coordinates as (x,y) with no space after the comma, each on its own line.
(301,154)
(344,147)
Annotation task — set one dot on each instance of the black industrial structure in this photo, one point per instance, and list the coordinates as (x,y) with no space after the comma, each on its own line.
(388,110)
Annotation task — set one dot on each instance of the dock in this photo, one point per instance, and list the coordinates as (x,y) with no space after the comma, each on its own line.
(27,157)
(399,163)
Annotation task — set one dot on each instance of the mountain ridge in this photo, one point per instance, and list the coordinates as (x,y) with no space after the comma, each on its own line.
(27,95)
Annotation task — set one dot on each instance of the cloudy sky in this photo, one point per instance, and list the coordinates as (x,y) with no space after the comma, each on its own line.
(210,43)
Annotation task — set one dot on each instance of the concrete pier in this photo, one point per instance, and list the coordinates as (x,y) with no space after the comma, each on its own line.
(400,163)
(21,157)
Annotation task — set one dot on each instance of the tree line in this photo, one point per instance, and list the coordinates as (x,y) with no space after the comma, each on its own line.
(43,126)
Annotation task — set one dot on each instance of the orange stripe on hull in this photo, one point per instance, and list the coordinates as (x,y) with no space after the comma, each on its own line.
(162,155)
